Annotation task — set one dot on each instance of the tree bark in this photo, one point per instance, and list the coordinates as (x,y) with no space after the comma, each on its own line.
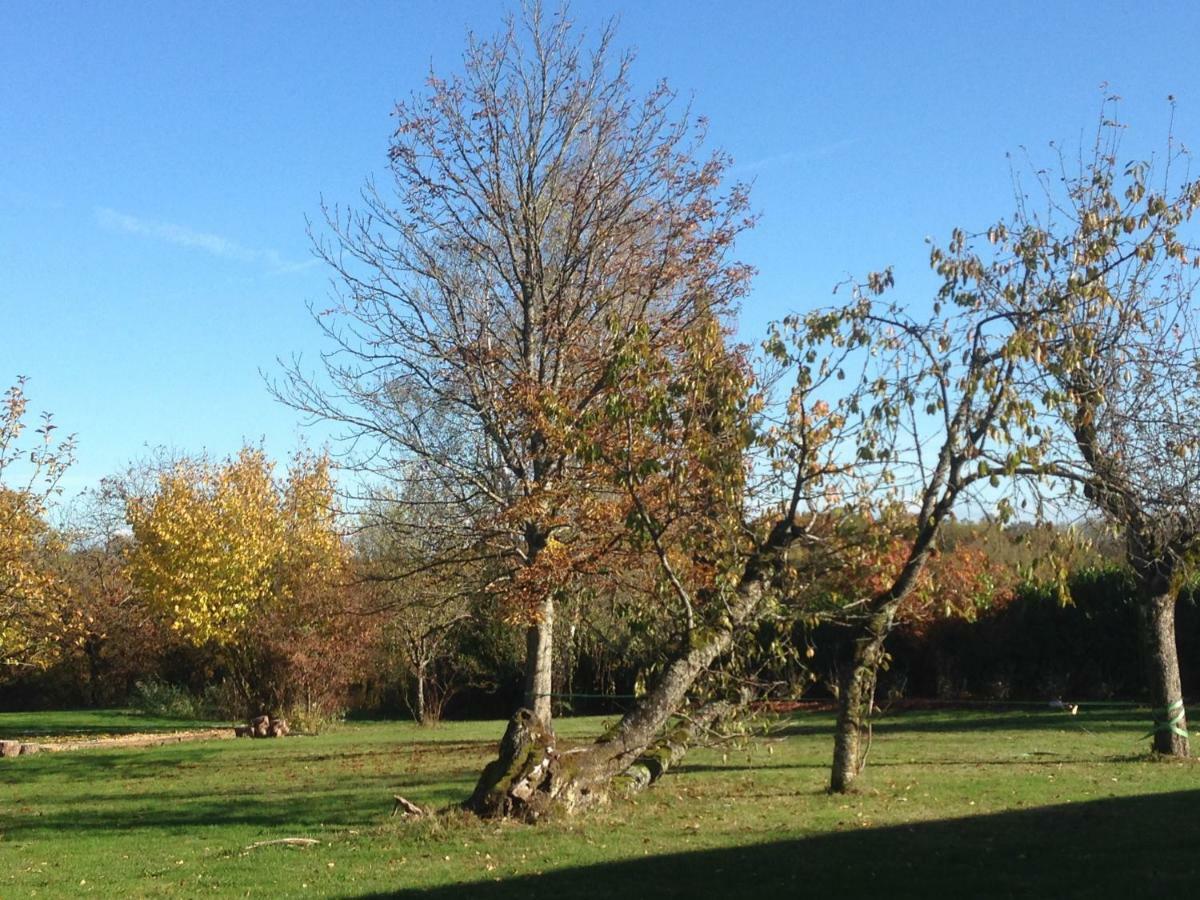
(539,663)
(856,694)
(1162,672)
(530,776)
(422,715)
(671,748)
(92,651)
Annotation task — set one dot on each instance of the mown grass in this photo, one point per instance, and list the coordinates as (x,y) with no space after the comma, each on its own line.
(85,724)
(968,803)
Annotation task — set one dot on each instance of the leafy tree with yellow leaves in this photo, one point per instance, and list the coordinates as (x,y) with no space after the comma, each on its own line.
(32,596)
(235,560)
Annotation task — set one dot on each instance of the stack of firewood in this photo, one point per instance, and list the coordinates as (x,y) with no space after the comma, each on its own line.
(16,748)
(263,727)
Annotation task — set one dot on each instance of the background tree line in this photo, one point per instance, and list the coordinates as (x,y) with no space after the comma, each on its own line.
(989,623)
(556,432)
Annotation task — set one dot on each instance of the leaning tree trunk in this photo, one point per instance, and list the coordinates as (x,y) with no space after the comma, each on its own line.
(856,694)
(530,776)
(1157,620)
(539,662)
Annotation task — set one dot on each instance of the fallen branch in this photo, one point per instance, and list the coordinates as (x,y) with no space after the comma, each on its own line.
(290,842)
(409,808)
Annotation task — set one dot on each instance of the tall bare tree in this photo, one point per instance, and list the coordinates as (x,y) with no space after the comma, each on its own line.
(540,215)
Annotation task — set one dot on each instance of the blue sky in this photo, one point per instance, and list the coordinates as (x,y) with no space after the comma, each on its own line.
(158,162)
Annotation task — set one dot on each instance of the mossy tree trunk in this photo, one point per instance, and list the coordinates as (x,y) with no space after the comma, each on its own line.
(531,776)
(856,695)
(856,676)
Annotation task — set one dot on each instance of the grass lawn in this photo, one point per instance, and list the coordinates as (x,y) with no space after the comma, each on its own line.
(86,724)
(962,804)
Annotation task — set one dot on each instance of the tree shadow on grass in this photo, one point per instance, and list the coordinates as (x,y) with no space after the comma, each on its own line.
(975,720)
(1047,721)
(181,788)
(366,803)
(1122,847)
(95,766)
(1034,758)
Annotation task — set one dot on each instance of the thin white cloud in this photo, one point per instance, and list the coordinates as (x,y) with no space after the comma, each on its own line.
(796,156)
(182,236)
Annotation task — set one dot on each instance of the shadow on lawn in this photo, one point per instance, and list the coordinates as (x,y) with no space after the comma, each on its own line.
(1000,719)
(1128,847)
(363,804)
(80,732)
(181,788)
(95,766)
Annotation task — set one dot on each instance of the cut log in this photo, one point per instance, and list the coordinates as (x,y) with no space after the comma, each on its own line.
(243,731)
(278,728)
(261,726)
(30,749)
(10,748)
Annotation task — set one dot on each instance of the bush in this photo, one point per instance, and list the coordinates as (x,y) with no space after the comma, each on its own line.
(1034,647)
(156,697)
(313,720)
(223,701)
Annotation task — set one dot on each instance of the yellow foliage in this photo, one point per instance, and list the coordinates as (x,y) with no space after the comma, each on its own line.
(33,597)
(218,544)
(530,584)
(31,594)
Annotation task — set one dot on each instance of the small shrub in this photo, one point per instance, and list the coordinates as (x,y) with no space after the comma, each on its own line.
(313,720)
(223,701)
(156,697)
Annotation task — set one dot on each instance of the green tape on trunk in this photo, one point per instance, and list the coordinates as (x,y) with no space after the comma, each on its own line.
(1173,715)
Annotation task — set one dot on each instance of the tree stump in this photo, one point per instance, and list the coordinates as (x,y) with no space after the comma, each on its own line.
(513,784)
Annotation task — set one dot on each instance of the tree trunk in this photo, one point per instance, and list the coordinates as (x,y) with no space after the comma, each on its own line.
(422,715)
(1162,672)
(530,776)
(669,750)
(92,650)
(539,663)
(856,694)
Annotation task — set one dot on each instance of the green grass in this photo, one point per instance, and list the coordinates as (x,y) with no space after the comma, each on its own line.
(972,803)
(85,724)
